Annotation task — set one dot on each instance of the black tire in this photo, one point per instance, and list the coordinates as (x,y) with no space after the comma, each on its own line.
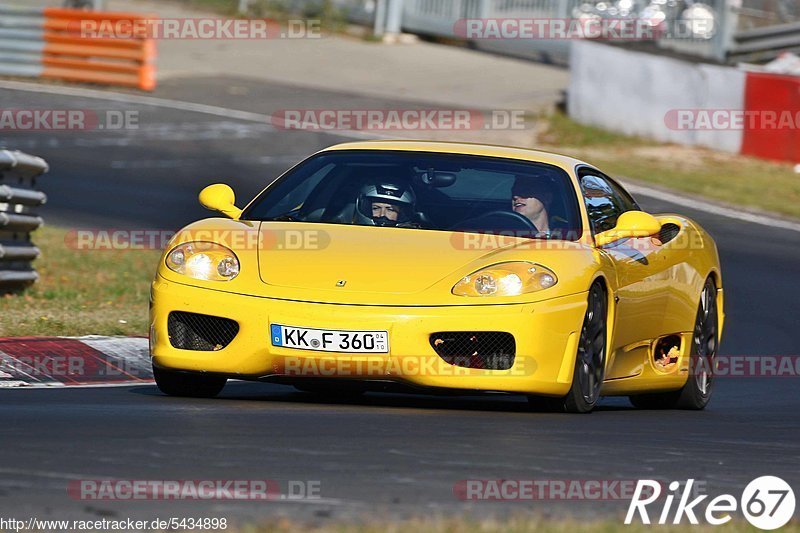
(590,360)
(188,384)
(697,391)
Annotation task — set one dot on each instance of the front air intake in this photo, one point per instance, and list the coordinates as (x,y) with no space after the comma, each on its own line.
(202,333)
(487,350)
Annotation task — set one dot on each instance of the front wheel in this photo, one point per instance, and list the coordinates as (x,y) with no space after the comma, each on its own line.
(590,362)
(696,393)
(188,384)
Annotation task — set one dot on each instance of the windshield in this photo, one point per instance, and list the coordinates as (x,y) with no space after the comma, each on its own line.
(429,191)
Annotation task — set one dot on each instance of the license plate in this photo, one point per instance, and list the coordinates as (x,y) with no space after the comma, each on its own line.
(329,340)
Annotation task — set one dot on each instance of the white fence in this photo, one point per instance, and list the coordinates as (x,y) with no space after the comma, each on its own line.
(639,94)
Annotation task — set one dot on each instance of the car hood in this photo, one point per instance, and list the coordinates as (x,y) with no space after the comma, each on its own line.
(358,259)
(366,265)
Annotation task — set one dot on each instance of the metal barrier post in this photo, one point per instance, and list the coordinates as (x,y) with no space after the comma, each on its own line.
(728,20)
(380,18)
(394,19)
(563,10)
(484,8)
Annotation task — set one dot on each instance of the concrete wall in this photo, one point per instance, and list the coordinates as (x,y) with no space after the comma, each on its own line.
(633,92)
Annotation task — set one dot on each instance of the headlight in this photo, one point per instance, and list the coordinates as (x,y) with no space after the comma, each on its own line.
(203,260)
(506,279)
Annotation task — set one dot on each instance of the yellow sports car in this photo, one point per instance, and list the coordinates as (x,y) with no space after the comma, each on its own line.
(437,265)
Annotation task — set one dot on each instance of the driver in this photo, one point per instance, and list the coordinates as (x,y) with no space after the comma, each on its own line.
(531,197)
(386,203)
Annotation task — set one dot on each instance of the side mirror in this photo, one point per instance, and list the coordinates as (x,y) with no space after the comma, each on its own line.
(631,224)
(220,197)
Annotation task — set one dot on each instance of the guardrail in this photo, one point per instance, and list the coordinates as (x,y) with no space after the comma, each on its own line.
(766,42)
(49,43)
(18,202)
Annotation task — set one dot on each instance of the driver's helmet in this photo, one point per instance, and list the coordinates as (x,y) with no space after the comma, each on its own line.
(390,192)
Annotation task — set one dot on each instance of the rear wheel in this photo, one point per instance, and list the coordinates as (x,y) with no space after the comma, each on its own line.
(696,393)
(590,362)
(188,384)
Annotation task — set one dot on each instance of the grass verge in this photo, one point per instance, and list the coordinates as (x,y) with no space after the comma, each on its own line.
(746,181)
(81,292)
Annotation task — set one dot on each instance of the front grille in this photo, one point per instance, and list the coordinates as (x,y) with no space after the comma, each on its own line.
(488,350)
(203,333)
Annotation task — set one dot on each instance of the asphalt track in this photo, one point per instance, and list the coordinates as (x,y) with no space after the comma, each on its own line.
(385,455)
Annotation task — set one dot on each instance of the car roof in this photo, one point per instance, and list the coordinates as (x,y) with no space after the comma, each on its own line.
(489,150)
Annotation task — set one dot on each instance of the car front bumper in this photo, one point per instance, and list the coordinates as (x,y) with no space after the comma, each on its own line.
(546,335)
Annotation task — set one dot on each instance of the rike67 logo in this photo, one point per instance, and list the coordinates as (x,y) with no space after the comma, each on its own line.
(767,503)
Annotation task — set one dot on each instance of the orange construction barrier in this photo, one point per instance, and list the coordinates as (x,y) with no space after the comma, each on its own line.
(98,47)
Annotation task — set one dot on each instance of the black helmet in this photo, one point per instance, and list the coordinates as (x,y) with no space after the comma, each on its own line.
(390,192)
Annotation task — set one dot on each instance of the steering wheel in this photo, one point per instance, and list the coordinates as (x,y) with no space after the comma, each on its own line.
(506,218)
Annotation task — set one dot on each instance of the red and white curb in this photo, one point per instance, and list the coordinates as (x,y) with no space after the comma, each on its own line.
(74,361)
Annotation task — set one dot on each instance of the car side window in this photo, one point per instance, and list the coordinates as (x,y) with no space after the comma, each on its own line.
(625,199)
(605,201)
